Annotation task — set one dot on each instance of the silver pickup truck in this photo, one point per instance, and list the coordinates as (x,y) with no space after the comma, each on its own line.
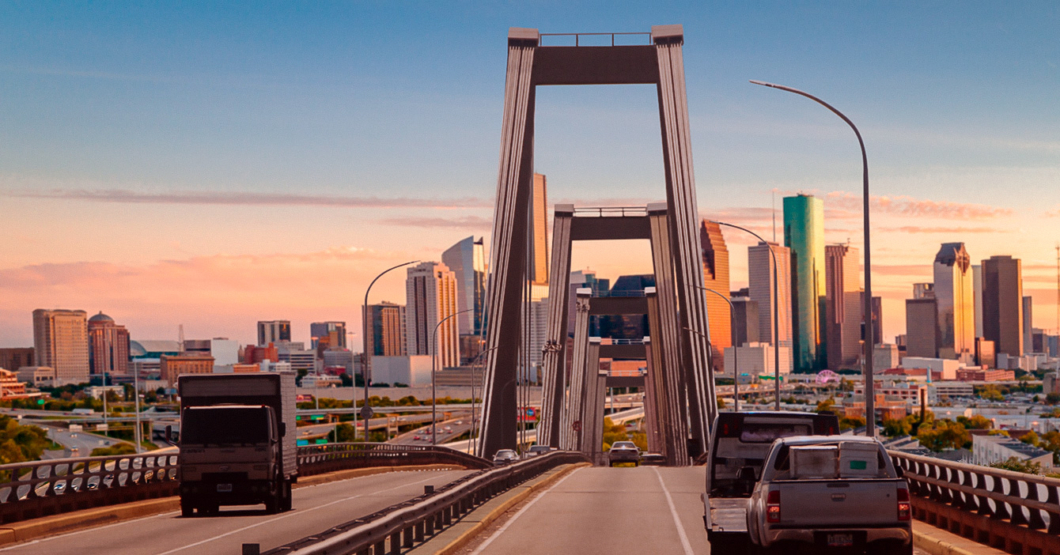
(830,492)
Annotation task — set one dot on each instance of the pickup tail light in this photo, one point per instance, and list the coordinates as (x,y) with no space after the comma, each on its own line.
(904,510)
(773,507)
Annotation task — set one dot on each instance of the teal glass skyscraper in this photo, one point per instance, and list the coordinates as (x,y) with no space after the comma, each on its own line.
(804,235)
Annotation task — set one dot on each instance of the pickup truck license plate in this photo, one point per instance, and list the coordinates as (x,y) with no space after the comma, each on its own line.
(840,540)
(227,488)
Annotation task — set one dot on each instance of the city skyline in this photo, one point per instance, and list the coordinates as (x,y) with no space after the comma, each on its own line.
(309,146)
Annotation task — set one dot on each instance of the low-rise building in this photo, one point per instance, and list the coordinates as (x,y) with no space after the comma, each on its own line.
(173,367)
(313,381)
(987,450)
(984,375)
(10,386)
(755,359)
(947,368)
(946,390)
(409,370)
(38,376)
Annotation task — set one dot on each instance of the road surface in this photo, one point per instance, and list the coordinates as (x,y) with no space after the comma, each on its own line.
(316,508)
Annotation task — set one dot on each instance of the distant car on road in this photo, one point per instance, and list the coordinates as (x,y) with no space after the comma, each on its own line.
(536,450)
(416,438)
(505,456)
(623,451)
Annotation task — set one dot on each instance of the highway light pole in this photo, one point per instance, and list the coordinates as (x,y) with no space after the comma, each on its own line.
(776,312)
(735,349)
(869,343)
(434,368)
(478,359)
(366,364)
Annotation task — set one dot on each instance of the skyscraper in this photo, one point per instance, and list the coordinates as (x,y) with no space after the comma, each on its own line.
(539,260)
(1003,304)
(386,330)
(804,235)
(716,278)
(747,321)
(877,318)
(431,297)
(760,285)
(333,334)
(843,311)
(273,331)
(921,328)
(108,346)
(954,298)
(60,340)
(467,260)
(977,293)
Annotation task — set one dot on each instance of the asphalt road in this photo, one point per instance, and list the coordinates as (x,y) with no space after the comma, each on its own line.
(609,510)
(409,438)
(316,508)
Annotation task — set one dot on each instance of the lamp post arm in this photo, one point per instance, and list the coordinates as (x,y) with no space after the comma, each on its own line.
(434,366)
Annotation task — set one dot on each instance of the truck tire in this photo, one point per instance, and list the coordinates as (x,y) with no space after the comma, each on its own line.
(186,509)
(288,497)
(725,544)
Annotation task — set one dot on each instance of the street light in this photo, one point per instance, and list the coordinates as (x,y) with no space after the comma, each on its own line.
(367,362)
(776,312)
(869,344)
(735,349)
(434,365)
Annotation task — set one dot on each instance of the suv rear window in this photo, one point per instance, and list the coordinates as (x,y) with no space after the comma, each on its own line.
(767,433)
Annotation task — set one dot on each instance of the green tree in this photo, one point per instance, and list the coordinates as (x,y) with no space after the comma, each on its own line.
(1031,438)
(612,433)
(896,428)
(346,434)
(851,422)
(943,434)
(119,449)
(1016,465)
(977,422)
(826,405)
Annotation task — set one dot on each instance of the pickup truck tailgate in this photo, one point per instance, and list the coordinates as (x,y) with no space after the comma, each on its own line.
(822,503)
(728,515)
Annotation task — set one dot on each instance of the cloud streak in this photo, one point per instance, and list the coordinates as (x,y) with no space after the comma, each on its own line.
(907,206)
(125,196)
(465,222)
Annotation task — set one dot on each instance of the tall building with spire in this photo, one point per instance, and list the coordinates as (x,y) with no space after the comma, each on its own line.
(467,260)
(108,346)
(60,340)
(954,300)
(716,278)
(843,312)
(431,299)
(804,235)
(760,288)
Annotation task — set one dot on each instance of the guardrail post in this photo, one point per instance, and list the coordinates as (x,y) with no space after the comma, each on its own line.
(395,543)
(408,533)
(447,516)
(421,530)
(429,523)
(380,547)
(251,549)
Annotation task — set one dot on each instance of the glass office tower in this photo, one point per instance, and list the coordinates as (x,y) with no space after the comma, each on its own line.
(804,235)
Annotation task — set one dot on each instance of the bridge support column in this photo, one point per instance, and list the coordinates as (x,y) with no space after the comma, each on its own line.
(570,437)
(592,413)
(555,379)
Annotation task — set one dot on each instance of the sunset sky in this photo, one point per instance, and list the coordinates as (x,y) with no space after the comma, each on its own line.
(213,165)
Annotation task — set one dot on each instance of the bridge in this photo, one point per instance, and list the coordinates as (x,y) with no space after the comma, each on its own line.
(383,498)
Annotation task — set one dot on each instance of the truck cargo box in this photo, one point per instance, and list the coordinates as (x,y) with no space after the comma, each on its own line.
(814,462)
(858,460)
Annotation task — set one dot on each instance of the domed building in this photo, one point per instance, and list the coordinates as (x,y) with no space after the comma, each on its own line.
(108,347)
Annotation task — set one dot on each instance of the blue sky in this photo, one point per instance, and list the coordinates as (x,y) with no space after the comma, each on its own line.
(105,101)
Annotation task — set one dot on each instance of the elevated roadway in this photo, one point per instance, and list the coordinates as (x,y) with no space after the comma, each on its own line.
(315,508)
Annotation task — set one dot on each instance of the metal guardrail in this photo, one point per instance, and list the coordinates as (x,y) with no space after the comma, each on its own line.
(1012,511)
(42,488)
(403,525)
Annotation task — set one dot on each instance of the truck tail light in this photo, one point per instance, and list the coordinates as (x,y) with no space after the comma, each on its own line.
(904,510)
(773,507)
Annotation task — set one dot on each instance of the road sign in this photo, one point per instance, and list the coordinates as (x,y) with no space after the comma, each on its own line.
(367,412)
(576,426)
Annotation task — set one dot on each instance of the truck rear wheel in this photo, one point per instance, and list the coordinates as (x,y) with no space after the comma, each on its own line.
(724,544)
(186,509)
(288,500)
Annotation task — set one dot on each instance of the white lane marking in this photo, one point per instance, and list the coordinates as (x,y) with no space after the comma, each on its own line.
(673,511)
(271,520)
(124,522)
(520,513)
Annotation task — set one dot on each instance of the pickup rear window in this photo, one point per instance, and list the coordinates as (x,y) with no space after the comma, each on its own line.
(224,426)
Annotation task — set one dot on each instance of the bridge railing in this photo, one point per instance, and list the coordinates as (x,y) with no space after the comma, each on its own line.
(41,488)
(34,489)
(1013,511)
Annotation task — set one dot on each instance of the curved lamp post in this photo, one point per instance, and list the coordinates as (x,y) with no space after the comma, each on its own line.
(869,343)
(776,311)
(735,349)
(434,365)
(366,364)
